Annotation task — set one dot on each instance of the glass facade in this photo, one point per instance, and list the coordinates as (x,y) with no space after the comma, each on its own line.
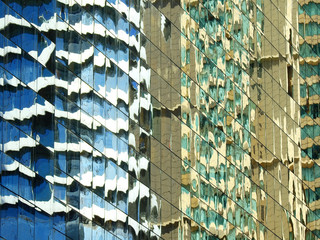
(159,119)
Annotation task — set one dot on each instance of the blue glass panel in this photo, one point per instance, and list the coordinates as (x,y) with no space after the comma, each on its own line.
(98,171)
(85,229)
(86,101)
(98,107)
(26,184)
(110,18)
(123,56)
(123,125)
(98,214)
(26,221)
(8,94)
(30,13)
(43,225)
(86,127)
(43,161)
(73,156)
(72,224)
(97,232)
(47,91)
(13,61)
(10,173)
(99,135)
(87,63)
(60,185)
(15,29)
(59,216)
(28,68)
(46,11)
(75,12)
(122,193)
(86,165)
(111,145)
(99,74)
(15,5)
(3,41)
(58,236)
(43,124)
(112,46)
(43,190)
(60,149)
(123,154)
(109,236)
(73,194)
(62,10)
(99,38)
(123,25)
(26,151)
(123,86)
(74,122)
(29,40)
(8,214)
(111,176)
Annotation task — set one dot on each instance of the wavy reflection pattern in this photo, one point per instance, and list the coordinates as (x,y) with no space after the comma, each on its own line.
(309,100)
(159,119)
(75,122)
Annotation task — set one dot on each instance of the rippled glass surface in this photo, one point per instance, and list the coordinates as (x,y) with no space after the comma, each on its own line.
(159,119)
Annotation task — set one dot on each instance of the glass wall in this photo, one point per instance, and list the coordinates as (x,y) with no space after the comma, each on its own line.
(159,119)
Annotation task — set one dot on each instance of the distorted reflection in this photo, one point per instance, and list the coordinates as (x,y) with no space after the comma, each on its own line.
(181,119)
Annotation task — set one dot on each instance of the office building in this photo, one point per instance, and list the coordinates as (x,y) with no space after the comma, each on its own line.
(159,119)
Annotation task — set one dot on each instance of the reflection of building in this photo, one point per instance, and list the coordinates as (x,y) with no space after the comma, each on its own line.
(75,122)
(159,119)
(241,107)
(309,101)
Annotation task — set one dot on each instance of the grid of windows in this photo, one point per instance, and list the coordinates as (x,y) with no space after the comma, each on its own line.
(75,161)
(160,119)
(309,95)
